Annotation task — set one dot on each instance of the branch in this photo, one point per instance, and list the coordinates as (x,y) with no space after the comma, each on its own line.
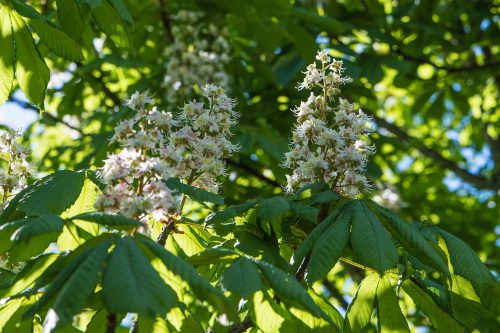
(476,180)
(253,172)
(335,293)
(166,21)
(242,326)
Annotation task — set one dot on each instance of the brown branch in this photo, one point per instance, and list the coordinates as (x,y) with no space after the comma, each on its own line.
(111,323)
(242,326)
(166,21)
(476,180)
(253,172)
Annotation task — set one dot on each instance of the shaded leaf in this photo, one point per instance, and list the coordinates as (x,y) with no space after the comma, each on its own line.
(112,221)
(194,193)
(6,56)
(359,311)
(390,317)
(242,277)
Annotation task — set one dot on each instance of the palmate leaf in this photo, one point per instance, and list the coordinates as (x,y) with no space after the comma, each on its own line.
(197,194)
(6,56)
(412,240)
(467,264)
(242,278)
(309,242)
(305,212)
(57,41)
(390,317)
(329,247)
(72,287)
(289,287)
(441,320)
(53,194)
(122,10)
(35,226)
(112,221)
(130,284)
(31,71)
(359,311)
(202,288)
(371,241)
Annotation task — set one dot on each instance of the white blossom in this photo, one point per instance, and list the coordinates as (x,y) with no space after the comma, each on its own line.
(155,146)
(15,169)
(197,55)
(328,143)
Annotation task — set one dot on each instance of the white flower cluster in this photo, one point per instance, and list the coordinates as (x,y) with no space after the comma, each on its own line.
(198,55)
(327,143)
(155,147)
(15,169)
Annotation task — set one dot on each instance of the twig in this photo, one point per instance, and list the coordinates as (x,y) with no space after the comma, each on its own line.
(242,326)
(111,323)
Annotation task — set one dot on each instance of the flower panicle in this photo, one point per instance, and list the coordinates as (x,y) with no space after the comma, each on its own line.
(328,141)
(156,145)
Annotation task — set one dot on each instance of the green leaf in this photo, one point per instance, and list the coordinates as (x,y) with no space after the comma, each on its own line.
(202,288)
(75,283)
(112,221)
(442,321)
(35,226)
(242,278)
(467,264)
(54,193)
(288,286)
(57,41)
(130,284)
(194,193)
(325,196)
(6,56)
(27,11)
(110,22)
(228,213)
(69,18)
(329,310)
(212,256)
(311,239)
(412,240)
(92,3)
(271,210)
(29,274)
(9,212)
(390,317)
(122,10)
(329,247)
(31,71)
(370,241)
(77,289)
(305,212)
(8,310)
(269,317)
(359,311)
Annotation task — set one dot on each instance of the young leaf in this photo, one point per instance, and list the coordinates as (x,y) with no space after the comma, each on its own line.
(370,241)
(7,56)
(31,71)
(69,18)
(329,247)
(130,284)
(194,193)
(390,317)
(412,240)
(242,278)
(57,41)
(359,311)
(442,321)
(54,193)
(112,221)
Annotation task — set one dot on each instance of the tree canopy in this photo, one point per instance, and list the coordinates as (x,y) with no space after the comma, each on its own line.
(139,189)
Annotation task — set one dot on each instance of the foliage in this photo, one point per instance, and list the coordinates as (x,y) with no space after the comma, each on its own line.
(233,249)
